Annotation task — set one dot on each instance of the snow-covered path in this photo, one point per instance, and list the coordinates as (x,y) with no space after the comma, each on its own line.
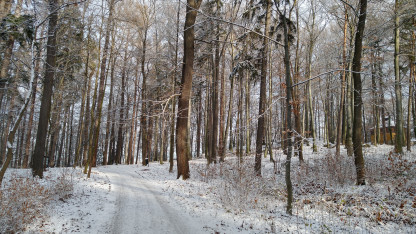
(141,207)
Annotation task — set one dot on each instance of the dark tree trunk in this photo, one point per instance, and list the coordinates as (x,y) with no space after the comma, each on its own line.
(120,134)
(198,124)
(263,94)
(358,103)
(45,106)
(143,117)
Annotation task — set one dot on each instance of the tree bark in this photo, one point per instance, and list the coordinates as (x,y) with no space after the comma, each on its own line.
(263,93)
(31,113)
(173,102)
(182,133)
(143,117)
(398,146)
(358,103)
(45,106)
(342,96)
(100,99)
(120,134)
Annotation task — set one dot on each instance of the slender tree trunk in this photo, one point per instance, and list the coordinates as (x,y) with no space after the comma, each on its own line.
(3,150)
(69,144)
(289,117)
(31,113)
(221,150)
(412,84)
(83,118)
(398,146)
(139,137)
(228,127)
(54,131)
(198,123)
(310,99)
(97,119)
(296,96)
(409,109)
(10,138)
(374,102)
(239,128)
(263,93)
(120,134)
(110,101)
(358,103)
(143,117)
(60,149)
(133,127)
(342,96)
(19,148)
(112,152)
(173,104)
(247,114)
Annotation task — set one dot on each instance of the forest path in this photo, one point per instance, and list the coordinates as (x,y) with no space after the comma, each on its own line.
(142,207)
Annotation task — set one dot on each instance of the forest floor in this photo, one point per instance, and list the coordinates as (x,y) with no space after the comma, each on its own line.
(226,197)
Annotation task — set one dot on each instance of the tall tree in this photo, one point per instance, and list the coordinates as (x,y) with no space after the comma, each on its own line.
(263,92)
(173,104)
(358,102)
(182,133)
(45,106)
(398,146)
(343,75)
(98,112)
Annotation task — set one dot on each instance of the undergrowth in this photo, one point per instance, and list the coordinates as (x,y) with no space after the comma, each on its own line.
(24,199)
(325,189)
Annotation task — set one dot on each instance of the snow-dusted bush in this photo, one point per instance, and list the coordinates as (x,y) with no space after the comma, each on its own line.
(235,183)
(23,199)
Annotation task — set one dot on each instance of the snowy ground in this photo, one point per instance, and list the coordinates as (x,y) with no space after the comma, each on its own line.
(227,198)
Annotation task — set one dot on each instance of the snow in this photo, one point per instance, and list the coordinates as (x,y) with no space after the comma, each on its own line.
(9,145)
(228,198)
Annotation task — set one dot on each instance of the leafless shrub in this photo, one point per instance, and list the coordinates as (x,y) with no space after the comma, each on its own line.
(24,199)
(240,188)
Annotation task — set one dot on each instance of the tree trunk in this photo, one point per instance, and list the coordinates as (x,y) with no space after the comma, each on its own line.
(198,124)
(97,119)
(221,147)
(182,133)
(110,101)
(120,134)
(31,113)
(173,102)
(409,109)
(398,146)
(143,117)
(358,103)
(296,96)
(263,93)
(342,96)
(58,161)
(69,144)
(3,150)
(45,106)
(289,117)
(10,138)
